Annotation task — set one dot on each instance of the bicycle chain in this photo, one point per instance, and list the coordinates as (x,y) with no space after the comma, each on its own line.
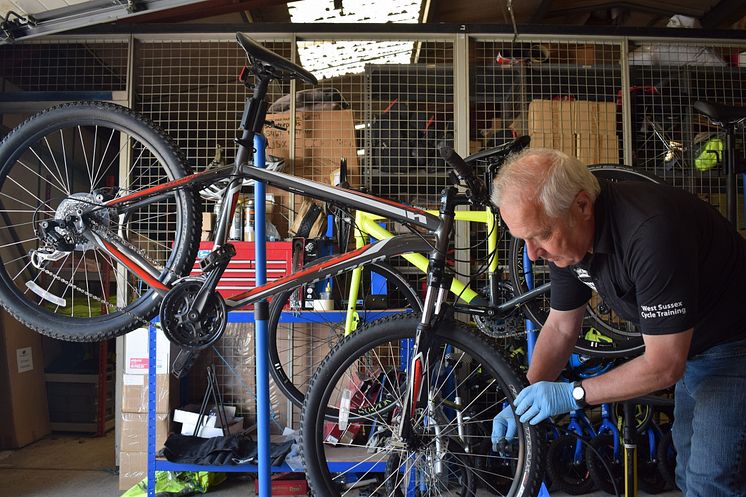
(108,235)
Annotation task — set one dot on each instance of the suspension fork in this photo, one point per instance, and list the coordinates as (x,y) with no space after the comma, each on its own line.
(437,290)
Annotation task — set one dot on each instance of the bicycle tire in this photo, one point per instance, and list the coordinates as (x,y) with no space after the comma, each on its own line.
(304,328)
(624,339)
(604,445)
(458,353)
(62,155)
(666,457)
(565,474)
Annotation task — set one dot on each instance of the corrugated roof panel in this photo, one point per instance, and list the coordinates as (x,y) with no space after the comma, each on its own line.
(333,58)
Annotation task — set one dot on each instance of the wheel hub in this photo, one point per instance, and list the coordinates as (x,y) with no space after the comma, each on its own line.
(71,209)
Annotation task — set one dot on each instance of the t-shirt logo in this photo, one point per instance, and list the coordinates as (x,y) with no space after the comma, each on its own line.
(585,277)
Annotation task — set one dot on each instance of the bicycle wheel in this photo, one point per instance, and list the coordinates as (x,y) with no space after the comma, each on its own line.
(567,473)
(602,450)
(300,338)
(604,332)
(353,410)
(69,160)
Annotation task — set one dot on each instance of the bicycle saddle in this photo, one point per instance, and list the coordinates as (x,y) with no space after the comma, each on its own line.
(502,151)
(721,114)
(278,67)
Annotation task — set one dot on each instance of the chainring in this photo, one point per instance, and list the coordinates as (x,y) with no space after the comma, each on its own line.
(508,326)
(179,328)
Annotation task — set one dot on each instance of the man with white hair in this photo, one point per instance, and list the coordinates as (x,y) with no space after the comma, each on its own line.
(662,259)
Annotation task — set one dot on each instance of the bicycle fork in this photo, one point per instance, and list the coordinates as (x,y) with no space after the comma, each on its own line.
(437,290)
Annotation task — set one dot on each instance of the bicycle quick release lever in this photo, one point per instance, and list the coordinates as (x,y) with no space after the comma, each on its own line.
(466,173)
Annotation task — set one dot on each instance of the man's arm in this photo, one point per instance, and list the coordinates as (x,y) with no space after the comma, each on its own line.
(555,343)
(662,365)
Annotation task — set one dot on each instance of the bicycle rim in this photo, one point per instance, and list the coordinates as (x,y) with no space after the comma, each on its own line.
(300,337)
(465,384)
(73,158)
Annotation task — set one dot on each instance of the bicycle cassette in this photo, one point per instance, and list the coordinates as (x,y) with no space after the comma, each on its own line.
(191,330)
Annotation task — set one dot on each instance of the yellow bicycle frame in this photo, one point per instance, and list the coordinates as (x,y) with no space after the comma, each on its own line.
(367,226)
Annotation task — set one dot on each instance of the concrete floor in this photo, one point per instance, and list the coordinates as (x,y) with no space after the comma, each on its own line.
(72,465)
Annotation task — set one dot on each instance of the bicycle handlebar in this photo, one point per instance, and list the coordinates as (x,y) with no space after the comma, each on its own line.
(466,173)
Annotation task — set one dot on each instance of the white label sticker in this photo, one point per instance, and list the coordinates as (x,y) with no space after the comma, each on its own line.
(25,359)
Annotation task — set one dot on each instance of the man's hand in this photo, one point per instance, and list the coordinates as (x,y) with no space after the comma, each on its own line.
(543,400)
(503,426)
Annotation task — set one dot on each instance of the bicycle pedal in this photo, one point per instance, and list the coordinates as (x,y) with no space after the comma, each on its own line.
(184,361)
(221,255)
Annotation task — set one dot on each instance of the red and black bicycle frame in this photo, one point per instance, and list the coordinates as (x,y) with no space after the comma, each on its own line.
(161,281)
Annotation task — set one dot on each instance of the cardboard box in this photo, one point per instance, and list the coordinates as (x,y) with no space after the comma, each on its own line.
(135,393)
(208,225)
(585,55)
(133,467)
(571,117)
(583,129)
(321,139)
(134,432)
(23,397)
(136,352)
(285,487)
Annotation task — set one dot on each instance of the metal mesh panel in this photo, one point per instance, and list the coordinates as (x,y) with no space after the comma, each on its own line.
(409,114)
(668,136)
(562,94)
(67,66)
(190,88)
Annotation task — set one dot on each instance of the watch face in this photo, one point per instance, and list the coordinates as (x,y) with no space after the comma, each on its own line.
(578,393)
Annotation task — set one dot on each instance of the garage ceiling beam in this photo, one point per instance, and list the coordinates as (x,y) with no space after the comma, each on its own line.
(83,15)
(724,14)
(198,8)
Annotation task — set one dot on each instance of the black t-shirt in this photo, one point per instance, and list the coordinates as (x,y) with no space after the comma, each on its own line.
(664,260)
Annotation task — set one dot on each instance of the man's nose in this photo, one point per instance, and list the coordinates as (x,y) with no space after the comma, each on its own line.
(533,250)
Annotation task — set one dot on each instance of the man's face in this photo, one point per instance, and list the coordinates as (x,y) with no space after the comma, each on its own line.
(563,241)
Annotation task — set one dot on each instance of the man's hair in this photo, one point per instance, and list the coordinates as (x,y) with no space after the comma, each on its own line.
(550,177)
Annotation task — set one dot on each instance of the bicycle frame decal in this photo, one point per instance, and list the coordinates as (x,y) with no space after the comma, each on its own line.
(369,253)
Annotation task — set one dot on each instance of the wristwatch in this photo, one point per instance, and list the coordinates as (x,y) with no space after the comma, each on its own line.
(578,393)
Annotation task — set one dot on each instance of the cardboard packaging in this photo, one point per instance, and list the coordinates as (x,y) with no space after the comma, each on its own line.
(136,352)
(134,432)
(135,393)
(133,467)
(23,396)
(322,138)
(583,129)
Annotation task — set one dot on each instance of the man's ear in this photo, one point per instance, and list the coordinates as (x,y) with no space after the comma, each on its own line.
(583,205)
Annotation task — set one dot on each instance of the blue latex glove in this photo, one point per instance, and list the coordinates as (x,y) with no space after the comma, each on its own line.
(503,426)
(543,400)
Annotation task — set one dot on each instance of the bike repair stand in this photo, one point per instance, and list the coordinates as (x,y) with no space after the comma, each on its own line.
(261,317)
(531,335)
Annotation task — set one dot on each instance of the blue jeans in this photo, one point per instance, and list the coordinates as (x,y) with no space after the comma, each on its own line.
(709,429)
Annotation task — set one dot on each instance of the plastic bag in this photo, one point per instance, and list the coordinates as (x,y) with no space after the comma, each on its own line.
(177,483)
